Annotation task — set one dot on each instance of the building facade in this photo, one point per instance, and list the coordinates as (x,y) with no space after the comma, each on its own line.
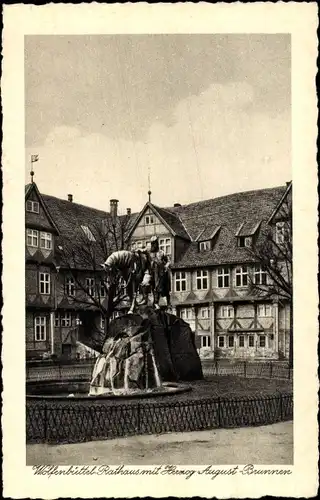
(213,273)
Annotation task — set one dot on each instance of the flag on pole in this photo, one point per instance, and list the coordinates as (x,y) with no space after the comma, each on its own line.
(34,158)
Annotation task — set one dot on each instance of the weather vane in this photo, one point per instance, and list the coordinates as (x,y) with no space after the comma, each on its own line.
(34,158)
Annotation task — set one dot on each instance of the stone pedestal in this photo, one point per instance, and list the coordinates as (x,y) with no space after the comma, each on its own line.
(143,350)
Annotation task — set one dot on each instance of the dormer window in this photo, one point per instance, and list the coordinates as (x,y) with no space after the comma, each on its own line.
(149,219)
(88,233)
(245,241)
(32,206)
(205,246)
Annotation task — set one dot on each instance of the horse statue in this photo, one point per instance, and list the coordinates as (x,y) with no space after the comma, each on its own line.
(140,270)
(129,267)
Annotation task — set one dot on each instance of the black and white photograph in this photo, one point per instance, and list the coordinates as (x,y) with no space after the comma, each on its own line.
(159,318)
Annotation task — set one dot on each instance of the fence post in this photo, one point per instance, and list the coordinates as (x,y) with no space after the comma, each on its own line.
(138,418)
(45,423)
(216,366)
(245,369)
(270,369)
(281,412)
(219,411)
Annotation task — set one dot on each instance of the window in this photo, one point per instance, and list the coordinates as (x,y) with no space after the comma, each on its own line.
(227,311)
(242,276)
(90,286)
(102,290)
(66,319)
(264,310)
(40,328)
(231,341)
(186,313)
(204,246)
(46,241)
(44,283)
(180,281)
(260,276)
(204,312)
(165,245)
(32,206)
(70,287)
(88,233)
(205,341)
(251,340)
(32,238)
(241,340)
(202,280)
(280,232)
(220,341)
(102,322)
(244,241)
(57,320)
(262,341)
(223,277)
(149,220)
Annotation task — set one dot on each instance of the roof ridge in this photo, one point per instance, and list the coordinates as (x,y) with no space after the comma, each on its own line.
(75,203)
(226,196)
(165,210)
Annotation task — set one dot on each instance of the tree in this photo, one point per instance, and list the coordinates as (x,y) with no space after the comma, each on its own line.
(81,256)
(272,253)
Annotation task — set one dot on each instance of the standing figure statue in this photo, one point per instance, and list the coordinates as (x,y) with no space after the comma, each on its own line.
(158,278)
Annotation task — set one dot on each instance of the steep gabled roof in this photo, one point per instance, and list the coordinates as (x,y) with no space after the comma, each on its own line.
(279,204)
(248,211)
(174,222)
(70,216)
(170,220)
(221,218)
(33,187)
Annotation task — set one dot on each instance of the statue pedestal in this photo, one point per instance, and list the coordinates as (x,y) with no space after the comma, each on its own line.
(142,351)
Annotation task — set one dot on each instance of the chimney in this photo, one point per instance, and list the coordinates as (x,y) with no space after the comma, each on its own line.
(70,198)
(177,205)
(288,183)
(128,211)
(114,207)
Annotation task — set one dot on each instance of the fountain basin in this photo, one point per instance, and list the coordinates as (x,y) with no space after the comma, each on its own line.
(79,389)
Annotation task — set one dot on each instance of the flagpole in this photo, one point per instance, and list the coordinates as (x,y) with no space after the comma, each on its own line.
(33,158)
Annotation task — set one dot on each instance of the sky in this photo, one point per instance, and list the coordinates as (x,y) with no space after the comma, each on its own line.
(199,116)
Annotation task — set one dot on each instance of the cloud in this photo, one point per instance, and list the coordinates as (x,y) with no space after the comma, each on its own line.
(217,144)
(62,135)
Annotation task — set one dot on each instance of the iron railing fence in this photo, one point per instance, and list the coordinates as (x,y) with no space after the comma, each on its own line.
(78,420)
(252,369)
(83,370)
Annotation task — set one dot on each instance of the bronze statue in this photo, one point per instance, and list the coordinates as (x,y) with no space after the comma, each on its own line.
(129,266)
(147,270)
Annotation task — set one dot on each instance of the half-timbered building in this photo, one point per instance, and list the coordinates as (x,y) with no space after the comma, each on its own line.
(212,271)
